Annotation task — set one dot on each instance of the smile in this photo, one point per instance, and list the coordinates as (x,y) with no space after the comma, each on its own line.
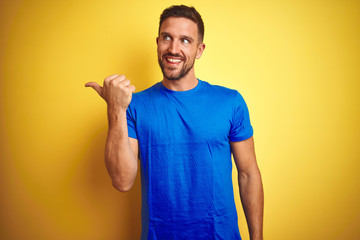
(173,60)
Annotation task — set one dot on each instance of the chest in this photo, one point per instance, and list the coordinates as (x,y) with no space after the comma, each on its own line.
(172,120)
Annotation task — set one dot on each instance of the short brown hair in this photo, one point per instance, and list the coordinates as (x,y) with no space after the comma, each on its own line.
(185,12)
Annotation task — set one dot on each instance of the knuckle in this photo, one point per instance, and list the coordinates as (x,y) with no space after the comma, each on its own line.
(120,84)
(127,91)
(109,78)
(113,82)
(121,77)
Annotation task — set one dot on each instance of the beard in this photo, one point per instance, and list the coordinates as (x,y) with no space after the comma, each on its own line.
(170,73)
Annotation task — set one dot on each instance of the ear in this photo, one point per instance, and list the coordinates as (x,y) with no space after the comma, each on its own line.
(200,50)
(157,40)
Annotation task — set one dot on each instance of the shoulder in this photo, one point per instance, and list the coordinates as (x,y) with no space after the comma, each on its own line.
(142,100)
(221,91)
(229,98)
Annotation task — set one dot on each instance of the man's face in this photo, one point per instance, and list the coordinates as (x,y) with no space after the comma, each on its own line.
(178,46)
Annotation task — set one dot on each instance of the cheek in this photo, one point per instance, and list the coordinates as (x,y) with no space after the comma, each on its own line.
(159,52)
(163,45)
(161,49)
(191,53)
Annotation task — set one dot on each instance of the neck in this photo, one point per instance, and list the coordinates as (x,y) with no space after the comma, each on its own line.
(185,83)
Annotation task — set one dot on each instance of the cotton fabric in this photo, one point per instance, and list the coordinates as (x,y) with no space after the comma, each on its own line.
(185,159)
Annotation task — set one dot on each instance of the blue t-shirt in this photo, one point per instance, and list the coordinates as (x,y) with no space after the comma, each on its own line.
(185,160)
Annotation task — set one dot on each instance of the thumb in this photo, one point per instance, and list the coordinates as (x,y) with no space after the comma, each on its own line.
(95,86)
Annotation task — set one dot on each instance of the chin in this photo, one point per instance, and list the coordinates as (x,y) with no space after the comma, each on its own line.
(172,76)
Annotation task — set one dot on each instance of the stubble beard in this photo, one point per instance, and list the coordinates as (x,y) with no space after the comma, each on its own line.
(175,76)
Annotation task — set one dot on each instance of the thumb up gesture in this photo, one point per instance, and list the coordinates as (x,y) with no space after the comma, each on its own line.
(116,91)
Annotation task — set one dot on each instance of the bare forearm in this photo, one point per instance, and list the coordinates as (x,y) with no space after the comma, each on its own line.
(252,198)
(120,160)
(120,154)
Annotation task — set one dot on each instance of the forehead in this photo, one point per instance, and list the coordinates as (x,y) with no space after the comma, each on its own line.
(179,26)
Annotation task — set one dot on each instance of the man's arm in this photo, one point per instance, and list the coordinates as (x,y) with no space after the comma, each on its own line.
(121,152)
(250,186)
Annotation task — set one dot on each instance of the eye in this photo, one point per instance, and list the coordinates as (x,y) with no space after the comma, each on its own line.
(184,40)
(166,37)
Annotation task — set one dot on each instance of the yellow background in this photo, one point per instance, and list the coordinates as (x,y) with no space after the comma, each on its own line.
(295,62)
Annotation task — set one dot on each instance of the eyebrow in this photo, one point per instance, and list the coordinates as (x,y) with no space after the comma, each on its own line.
(181,36)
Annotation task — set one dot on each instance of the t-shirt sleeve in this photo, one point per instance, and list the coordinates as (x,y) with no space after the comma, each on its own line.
(131,123)
(241,128)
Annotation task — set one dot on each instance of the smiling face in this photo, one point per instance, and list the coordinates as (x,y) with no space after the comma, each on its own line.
(178,46)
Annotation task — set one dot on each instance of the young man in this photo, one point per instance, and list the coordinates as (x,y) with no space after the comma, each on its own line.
(184,131)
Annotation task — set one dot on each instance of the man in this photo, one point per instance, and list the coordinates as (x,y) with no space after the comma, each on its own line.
(184,131)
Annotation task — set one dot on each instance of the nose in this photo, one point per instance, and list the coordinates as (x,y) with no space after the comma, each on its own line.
(174,47)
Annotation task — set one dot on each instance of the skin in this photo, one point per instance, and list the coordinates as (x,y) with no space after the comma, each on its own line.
(178,40)
(177,47)
(121,152)
(250,186)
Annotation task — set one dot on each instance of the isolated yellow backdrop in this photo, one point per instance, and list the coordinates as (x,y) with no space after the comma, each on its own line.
(295,62)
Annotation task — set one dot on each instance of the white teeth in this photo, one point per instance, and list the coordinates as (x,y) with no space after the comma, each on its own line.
(173,60)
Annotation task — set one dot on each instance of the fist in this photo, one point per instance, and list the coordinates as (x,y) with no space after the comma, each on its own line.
(116,91)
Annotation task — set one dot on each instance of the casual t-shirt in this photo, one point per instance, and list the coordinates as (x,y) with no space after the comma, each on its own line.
(185,158)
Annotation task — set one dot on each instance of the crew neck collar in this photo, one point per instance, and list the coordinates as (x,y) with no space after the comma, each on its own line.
(190,91)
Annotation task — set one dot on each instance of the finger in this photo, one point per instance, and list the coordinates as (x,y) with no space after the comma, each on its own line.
(125,83)
(111,77)
(132,88)
(114,78)
(95,86)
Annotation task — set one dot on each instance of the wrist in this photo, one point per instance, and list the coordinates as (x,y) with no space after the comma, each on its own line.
(114,108)
(116,116)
